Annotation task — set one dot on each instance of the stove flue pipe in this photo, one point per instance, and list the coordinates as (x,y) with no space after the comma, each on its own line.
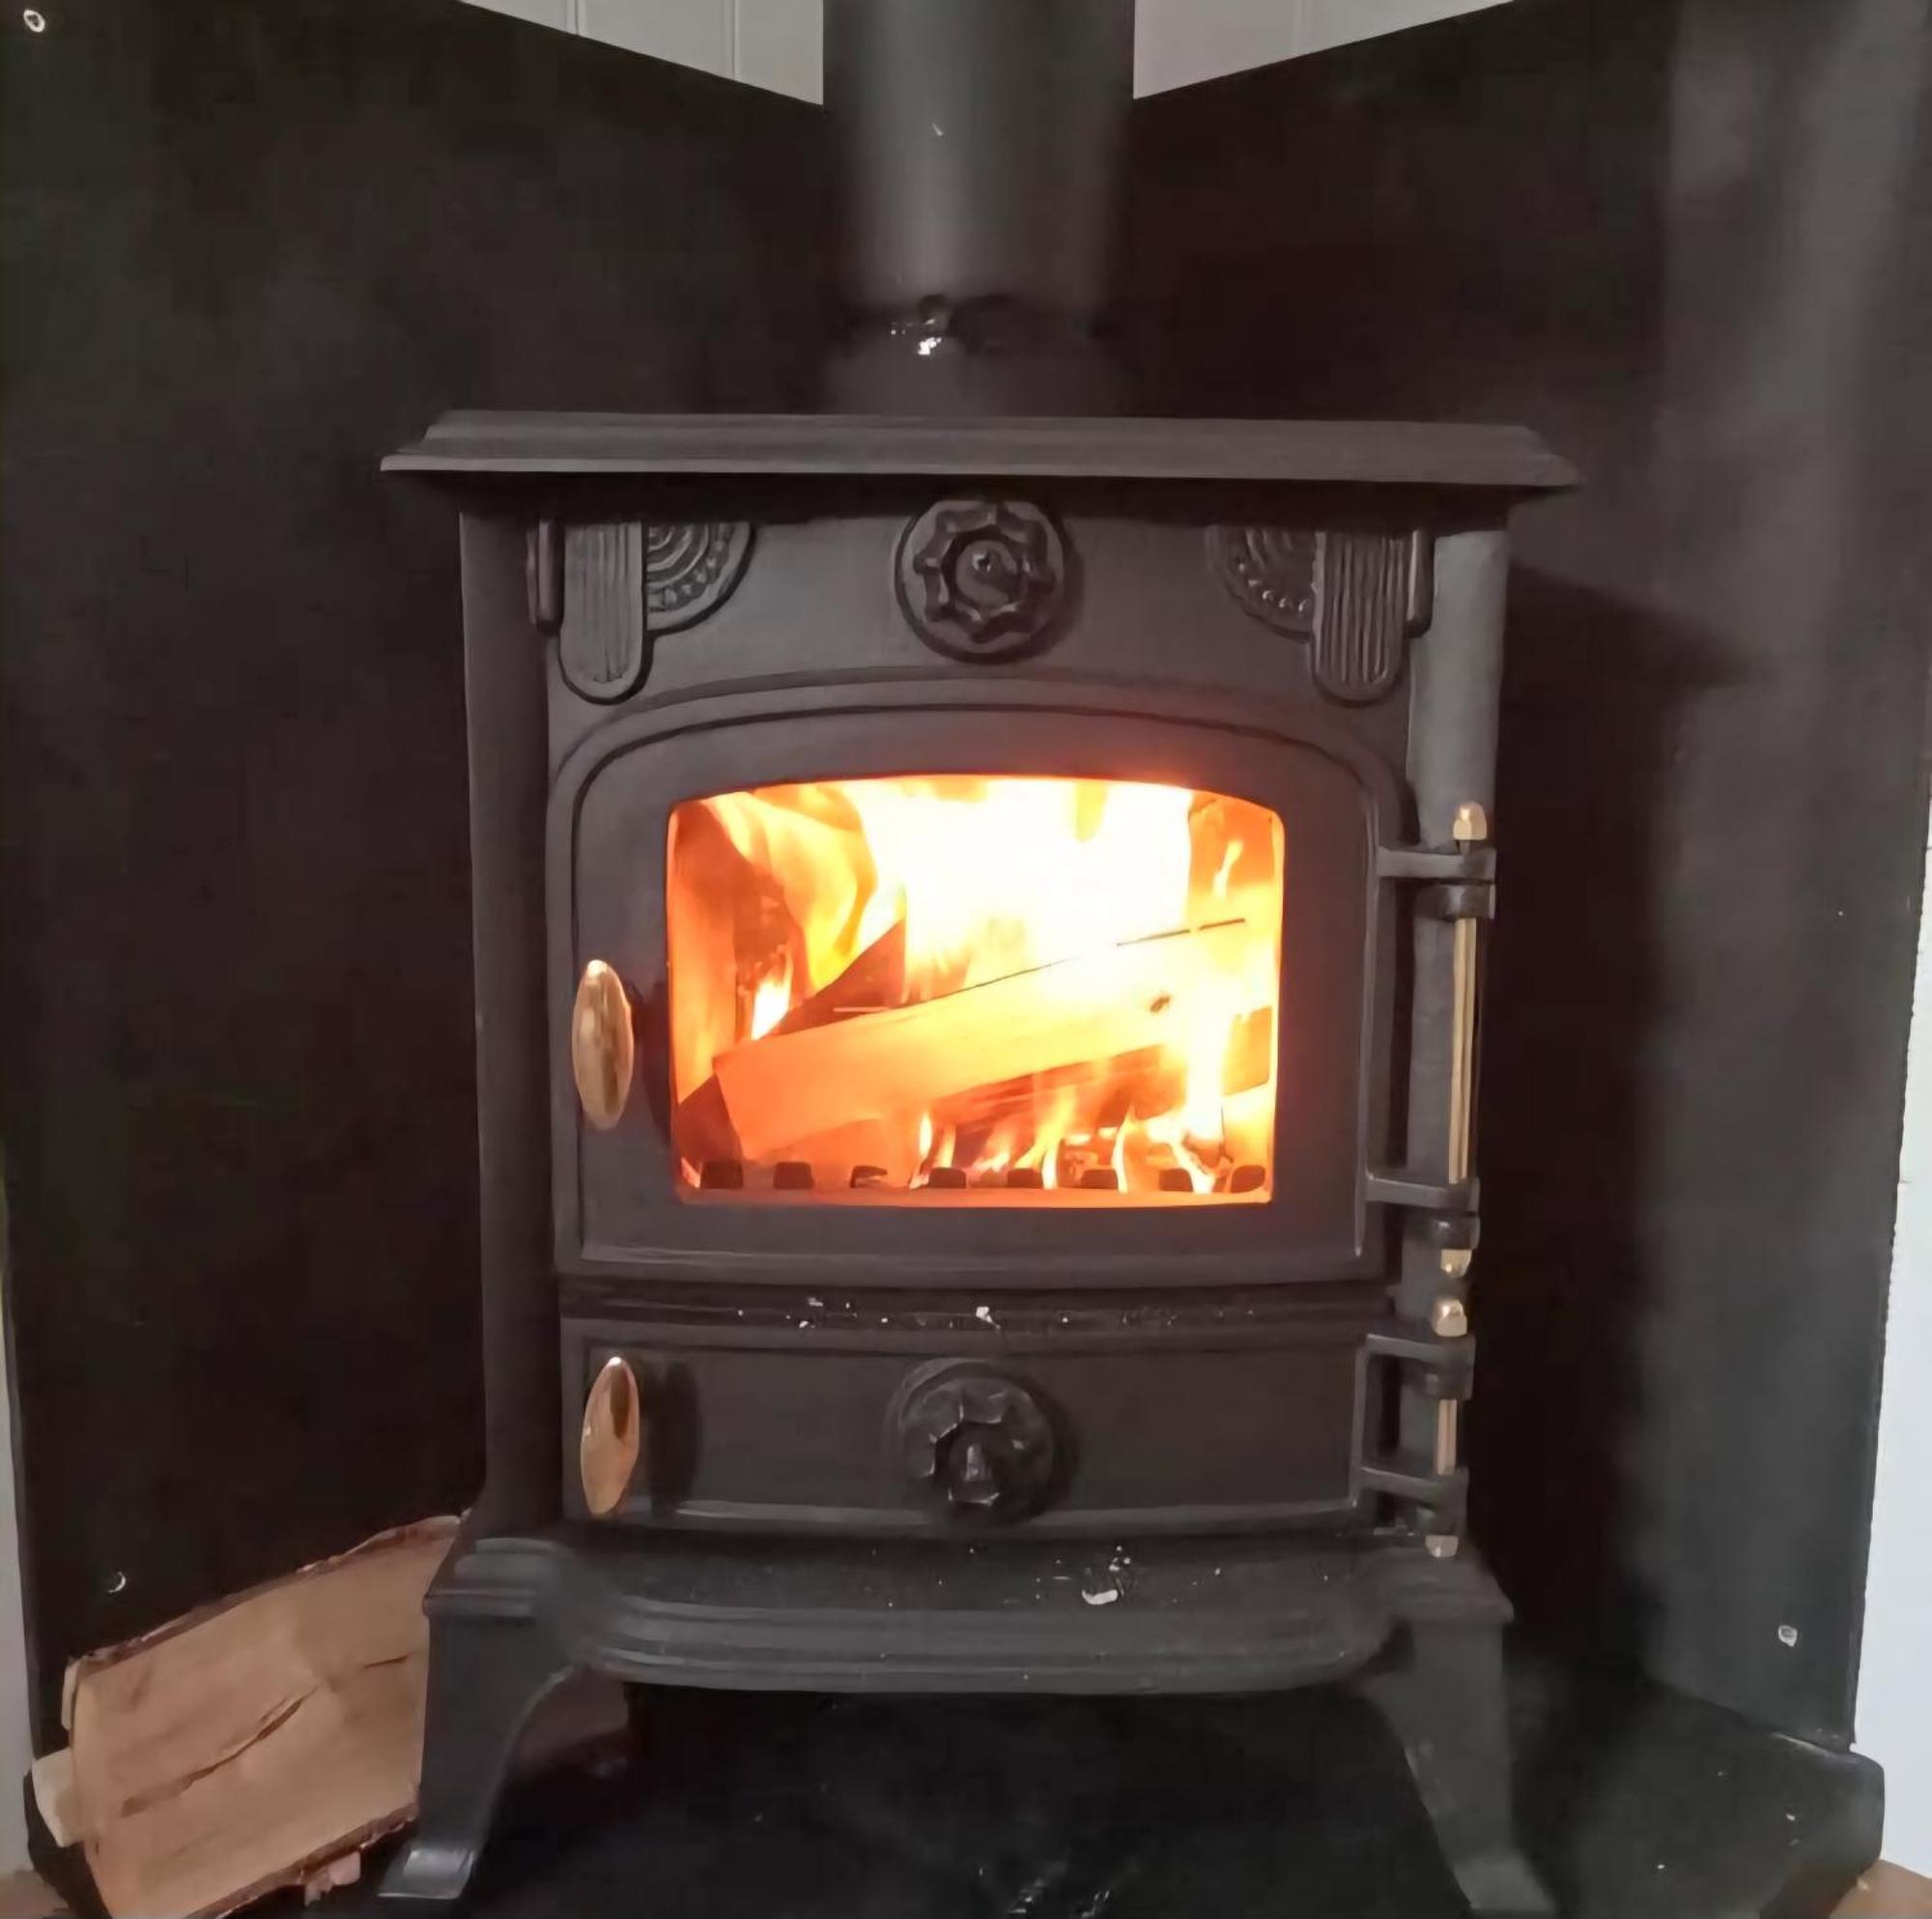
(980,146)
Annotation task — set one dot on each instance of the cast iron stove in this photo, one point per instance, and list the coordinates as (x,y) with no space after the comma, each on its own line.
(977,926)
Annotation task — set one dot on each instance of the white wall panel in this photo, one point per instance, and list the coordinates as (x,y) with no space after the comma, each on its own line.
(780,45)
(541,12)
(1328,23)
(16,1752)
(1895,1716)
(694,32)
(775,44)
(1178,42)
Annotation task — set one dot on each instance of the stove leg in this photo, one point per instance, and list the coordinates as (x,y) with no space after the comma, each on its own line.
(486,1677)
(1441,1693)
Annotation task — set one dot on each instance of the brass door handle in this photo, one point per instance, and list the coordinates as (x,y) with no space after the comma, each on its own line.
(603,1045)
(1471,828)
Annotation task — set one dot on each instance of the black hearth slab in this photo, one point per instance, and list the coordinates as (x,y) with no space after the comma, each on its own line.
(1214,1614)
(1637,1803)
(1380,453)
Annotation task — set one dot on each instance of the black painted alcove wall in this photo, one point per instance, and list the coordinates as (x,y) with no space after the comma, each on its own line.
(250,247)
(1691,241)
(252,243)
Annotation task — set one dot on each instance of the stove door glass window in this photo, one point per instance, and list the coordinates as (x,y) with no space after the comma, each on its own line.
(974,991)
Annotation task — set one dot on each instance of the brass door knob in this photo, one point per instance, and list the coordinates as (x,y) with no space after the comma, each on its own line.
(603,1046)
(612,1437)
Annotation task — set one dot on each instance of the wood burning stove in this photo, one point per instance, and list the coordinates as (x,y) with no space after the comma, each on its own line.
(975,935)
(977,939)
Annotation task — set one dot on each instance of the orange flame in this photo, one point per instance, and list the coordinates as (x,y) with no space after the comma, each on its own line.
(770,999)
(840,898)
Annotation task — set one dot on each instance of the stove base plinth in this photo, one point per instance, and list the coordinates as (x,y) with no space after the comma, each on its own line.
(1419,1637)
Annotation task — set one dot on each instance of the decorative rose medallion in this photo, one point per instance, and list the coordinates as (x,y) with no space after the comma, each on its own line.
(981,579)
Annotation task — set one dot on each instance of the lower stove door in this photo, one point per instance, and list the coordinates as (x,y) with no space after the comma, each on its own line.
(1053,1420)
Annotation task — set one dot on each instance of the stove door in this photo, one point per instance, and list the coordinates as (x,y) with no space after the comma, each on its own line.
(968,986)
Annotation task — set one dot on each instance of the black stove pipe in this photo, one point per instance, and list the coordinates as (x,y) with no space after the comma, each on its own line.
(980,144)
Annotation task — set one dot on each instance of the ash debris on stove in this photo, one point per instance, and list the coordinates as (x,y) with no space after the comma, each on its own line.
(1105,1587)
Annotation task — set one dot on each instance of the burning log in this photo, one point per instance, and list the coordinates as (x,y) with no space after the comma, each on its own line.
(873,981)
(877,978)
(792,1087)
(1152,1080)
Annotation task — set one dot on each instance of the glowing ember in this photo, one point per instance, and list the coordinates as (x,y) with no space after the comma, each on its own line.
(994,984)
(770,999)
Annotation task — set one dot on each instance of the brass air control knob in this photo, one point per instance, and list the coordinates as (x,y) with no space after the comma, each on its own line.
(612,1438)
